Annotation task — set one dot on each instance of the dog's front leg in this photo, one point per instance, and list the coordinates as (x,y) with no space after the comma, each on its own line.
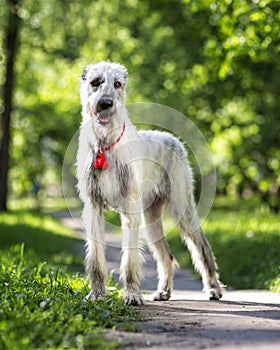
(96,266)
(131,260)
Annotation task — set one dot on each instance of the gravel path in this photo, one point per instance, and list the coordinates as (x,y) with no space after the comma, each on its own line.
(246,319)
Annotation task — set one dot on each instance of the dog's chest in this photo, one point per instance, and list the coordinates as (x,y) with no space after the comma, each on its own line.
(108,187)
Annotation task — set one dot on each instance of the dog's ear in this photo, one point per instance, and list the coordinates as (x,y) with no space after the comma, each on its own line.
(84,75)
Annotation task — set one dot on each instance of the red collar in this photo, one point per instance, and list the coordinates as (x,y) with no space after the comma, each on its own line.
(117,140)
(100,161)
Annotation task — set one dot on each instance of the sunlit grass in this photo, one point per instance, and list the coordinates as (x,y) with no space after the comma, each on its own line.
(242,223)
(43,288)
(43,202)
(50,240)
(42,307)
(246,244)
(34,220)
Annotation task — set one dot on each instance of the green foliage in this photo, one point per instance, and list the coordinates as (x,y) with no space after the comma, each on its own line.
(246,244)
(275,283)
(246,33)
(217,62)
(42,307)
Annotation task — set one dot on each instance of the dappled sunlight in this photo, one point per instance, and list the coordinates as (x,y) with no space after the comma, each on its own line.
(48,238)
(35,220)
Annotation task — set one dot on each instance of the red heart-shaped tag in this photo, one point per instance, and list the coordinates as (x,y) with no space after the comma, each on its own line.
(100,162)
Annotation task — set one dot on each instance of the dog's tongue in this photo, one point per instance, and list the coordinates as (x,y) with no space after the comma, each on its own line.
(104,118)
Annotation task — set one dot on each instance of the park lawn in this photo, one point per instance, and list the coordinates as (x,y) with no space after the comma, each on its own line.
(246,243)
(47,237)
(42,290)
(42,293)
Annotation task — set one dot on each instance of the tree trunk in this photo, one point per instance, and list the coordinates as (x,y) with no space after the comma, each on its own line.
(10,48)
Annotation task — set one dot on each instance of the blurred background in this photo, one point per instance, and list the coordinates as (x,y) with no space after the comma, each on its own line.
(217,62)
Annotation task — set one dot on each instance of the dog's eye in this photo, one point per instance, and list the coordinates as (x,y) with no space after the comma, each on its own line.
(117,84)
(95,82)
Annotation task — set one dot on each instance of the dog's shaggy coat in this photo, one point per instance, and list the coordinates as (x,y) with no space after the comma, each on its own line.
(144,171)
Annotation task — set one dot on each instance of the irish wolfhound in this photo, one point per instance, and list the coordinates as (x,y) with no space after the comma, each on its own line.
(136,174)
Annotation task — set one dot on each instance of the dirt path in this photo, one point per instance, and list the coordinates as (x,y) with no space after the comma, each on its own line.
(240,320)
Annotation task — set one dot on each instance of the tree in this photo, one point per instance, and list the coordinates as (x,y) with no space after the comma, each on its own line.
(214,61)
(11,41)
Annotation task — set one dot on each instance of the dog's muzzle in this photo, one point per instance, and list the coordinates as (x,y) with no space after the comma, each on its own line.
(104,110)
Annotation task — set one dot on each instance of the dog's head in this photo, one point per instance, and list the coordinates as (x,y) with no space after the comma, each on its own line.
(102,89)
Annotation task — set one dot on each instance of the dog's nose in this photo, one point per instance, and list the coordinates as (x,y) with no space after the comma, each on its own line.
(105,103)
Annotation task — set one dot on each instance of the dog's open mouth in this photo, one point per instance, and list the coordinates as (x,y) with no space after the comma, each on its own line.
(104,117)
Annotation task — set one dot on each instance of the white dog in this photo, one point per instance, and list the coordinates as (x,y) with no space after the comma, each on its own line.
(136,174)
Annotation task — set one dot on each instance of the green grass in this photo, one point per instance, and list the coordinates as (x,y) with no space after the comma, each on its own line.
(42,295)
(47,237)
(246,243)
(42,287)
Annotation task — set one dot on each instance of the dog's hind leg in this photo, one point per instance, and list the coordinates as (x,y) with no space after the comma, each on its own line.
(131,259)
(201,252)
(96,266)
(159,247)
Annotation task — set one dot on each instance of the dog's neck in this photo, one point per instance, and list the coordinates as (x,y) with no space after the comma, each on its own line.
(107,148)
(100,161)
(106,135)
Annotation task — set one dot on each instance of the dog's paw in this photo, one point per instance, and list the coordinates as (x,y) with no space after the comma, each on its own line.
(93,296)
(161,295)
(133,299)
(215,293)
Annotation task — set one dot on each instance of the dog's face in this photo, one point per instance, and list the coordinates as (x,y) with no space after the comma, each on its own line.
(103,90)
